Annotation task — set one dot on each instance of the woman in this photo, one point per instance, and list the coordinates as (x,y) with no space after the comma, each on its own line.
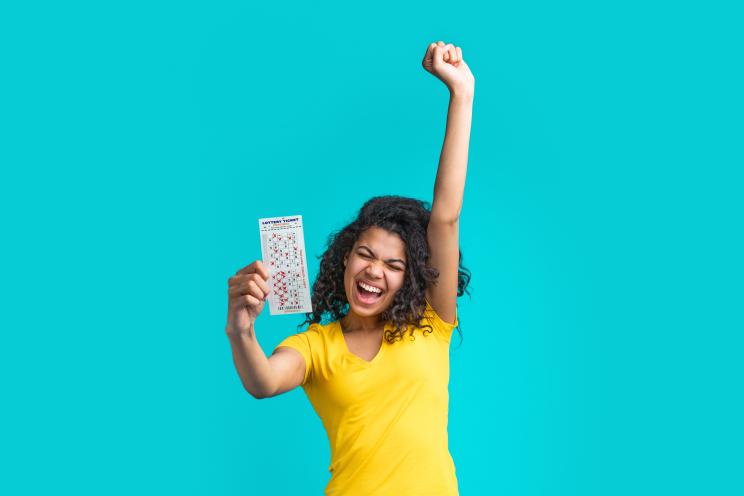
(377,373)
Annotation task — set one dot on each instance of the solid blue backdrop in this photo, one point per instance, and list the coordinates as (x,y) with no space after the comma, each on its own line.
(602,222)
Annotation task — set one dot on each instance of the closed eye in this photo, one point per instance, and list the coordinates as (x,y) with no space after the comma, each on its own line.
(365,255)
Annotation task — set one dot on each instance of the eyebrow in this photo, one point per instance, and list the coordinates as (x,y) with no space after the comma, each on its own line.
(389,260)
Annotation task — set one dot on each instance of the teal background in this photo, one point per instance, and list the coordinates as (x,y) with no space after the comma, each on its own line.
(602,222)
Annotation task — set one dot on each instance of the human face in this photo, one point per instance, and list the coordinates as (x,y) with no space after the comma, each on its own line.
(378,258)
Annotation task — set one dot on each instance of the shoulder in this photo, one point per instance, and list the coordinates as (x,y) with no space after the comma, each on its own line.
(312,344)
(319,331)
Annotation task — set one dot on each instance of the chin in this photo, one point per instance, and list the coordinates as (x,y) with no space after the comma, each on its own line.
(365,311)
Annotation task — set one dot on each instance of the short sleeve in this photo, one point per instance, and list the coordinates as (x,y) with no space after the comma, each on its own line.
(441,328)
(301,343)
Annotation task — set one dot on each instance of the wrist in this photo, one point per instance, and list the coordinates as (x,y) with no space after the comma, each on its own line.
(240,334)
(462,93)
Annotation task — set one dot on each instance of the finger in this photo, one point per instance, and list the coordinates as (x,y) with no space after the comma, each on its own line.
(251,288)
(237,291)
(244,300)
(440,43)
(445,53)
(452,54)
(428,57)
(250,300)
(245,287)
(429,51)
(238,280)
(248,269)
(439,54)
(242,279)
(257,267)
(459,54)
(262,270)
(263,285)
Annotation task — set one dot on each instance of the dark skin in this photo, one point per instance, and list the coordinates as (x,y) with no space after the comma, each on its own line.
(362,328)
(377,258)
(247,289)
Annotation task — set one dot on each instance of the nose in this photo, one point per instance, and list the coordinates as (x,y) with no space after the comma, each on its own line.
(374,271)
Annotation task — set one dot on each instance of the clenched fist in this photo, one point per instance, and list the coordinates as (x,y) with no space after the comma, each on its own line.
(445,61)
(247,291)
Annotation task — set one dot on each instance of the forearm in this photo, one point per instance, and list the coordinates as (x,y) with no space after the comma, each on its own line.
(453,161)
(251,363)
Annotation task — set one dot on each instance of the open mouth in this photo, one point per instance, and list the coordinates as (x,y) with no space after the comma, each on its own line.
(365,295)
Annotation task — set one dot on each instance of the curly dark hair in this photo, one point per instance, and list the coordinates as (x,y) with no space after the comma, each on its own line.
(406,217)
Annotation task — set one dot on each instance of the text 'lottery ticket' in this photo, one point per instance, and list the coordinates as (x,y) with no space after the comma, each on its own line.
(283,253)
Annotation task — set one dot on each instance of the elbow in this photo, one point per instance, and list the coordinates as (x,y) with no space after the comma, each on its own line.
(259,395)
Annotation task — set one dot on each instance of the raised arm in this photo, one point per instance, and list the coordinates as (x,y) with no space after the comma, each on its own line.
(446,63)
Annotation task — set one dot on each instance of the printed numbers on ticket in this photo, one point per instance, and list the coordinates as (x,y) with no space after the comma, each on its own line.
(283,253)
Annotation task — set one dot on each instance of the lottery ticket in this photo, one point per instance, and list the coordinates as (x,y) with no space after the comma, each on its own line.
(283,253)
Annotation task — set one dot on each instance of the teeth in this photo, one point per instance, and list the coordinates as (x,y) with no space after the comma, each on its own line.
(370,288)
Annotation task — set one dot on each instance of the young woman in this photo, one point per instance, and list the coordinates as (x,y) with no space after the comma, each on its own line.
(377,373)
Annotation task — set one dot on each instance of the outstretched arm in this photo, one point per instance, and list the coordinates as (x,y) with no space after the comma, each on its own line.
(446,63)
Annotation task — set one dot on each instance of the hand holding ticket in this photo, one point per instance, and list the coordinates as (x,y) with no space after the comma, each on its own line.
(247,291)
(283,253)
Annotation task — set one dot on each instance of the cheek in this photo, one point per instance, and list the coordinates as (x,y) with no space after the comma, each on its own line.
(396,280)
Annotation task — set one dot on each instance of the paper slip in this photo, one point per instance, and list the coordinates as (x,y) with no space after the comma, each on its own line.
(283,253)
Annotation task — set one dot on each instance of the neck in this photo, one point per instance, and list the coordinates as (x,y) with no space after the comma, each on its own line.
(352,322)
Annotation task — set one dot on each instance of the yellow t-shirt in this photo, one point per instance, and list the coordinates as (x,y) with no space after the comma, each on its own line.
(386,419)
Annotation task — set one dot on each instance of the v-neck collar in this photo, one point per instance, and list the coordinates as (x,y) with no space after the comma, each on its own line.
(355,357)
